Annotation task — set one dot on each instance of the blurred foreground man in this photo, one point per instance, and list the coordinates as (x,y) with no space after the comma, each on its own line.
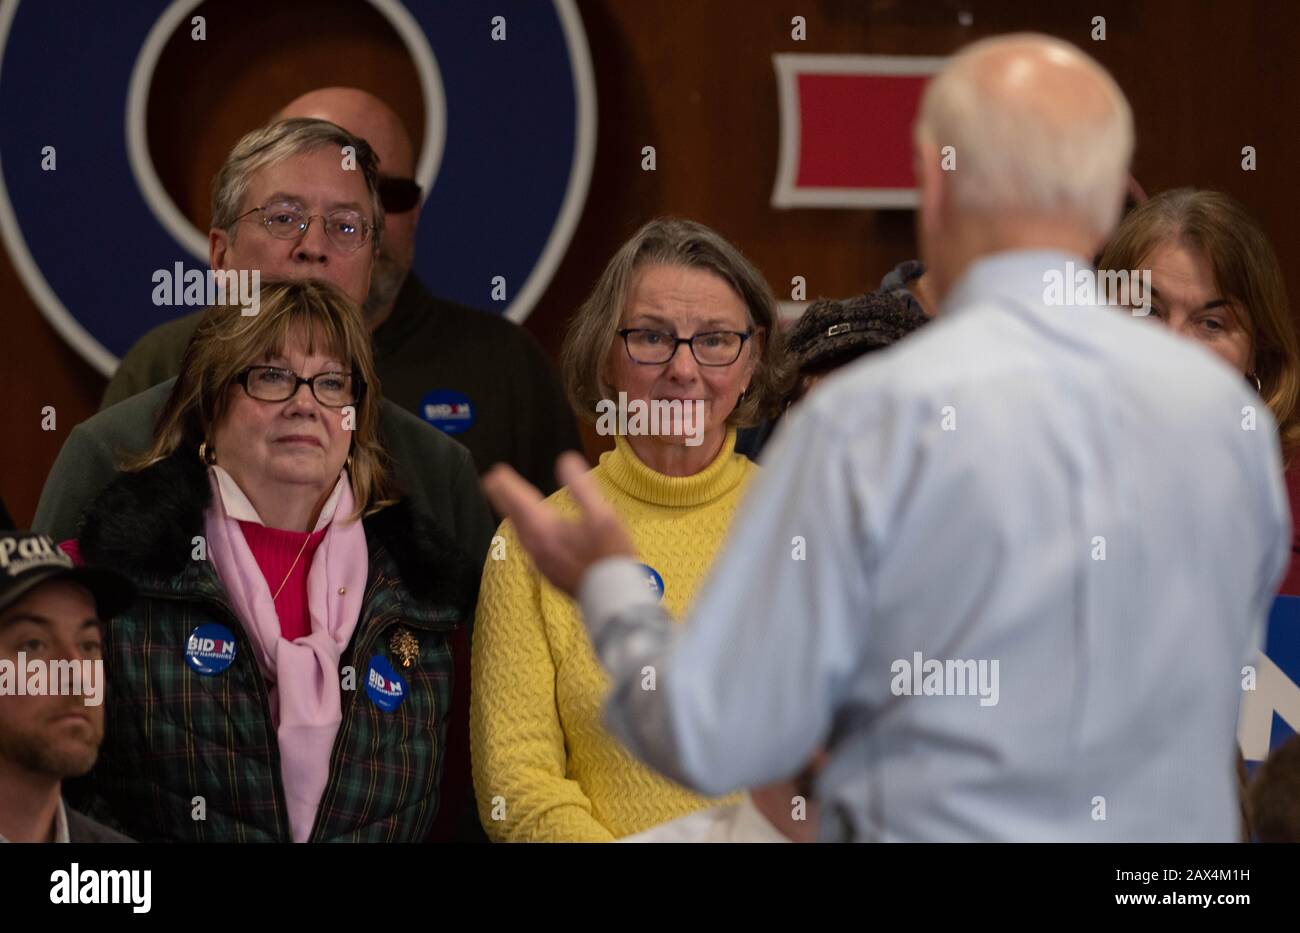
(1007,572)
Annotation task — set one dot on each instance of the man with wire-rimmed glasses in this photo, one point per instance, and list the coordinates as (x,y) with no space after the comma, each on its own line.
(441,361)
(298,199)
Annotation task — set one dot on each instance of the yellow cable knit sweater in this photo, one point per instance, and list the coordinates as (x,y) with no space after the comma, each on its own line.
(544,767)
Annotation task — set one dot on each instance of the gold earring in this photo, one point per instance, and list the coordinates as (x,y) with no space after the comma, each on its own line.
(204,452)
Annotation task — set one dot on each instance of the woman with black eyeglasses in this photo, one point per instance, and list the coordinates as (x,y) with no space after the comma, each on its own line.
(287,671)
(678,344)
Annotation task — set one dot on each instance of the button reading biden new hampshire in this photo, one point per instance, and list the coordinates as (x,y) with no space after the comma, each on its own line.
(210,649)
(653,582)
(448,410)
(384,686)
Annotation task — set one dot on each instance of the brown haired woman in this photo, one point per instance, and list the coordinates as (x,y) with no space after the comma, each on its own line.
(679,317)
(286,672)
(1216,279)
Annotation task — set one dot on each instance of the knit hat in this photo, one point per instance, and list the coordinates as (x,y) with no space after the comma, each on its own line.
(833,332)
(897,280)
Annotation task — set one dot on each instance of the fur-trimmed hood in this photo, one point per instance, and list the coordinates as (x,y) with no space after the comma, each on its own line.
(143,525)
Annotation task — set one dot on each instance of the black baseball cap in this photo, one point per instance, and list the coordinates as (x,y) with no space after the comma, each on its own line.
(27,560)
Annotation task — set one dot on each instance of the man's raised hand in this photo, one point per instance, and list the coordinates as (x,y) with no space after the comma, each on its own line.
(563,550)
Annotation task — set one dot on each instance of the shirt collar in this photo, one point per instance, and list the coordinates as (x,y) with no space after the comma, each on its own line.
(1015,273)
(60,825)
(238,506)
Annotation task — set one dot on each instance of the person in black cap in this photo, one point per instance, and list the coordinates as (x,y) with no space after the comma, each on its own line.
(831,333)
(51,714)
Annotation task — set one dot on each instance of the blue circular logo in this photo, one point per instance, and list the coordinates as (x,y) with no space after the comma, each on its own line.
(510,131)
(654,583)
(448,410)
(385,687)
(210,649)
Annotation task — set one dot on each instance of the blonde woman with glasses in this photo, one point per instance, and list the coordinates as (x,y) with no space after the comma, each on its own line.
(678,317)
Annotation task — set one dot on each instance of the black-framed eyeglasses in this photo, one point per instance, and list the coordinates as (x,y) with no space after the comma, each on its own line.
(398,195)
(346,228)
(277,384)
(656,347)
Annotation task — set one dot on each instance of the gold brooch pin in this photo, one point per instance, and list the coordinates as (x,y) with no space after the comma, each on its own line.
(405,645)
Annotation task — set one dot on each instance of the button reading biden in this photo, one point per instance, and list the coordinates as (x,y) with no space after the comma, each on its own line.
(385,687)
(210,649)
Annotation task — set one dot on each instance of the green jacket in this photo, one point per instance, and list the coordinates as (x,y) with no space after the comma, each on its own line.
(173,735)
(432,469)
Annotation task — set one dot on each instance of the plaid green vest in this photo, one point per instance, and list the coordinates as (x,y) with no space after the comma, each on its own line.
(189,757)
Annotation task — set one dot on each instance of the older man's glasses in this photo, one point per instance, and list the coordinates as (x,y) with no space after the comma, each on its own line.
(346,229)
(655,347)
(274,384)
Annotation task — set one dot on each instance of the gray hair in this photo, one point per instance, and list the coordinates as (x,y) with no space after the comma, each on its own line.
(1010,158)
(670,241)
(284,139)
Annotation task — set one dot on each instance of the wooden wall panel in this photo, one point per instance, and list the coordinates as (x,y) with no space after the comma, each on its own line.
(694,78)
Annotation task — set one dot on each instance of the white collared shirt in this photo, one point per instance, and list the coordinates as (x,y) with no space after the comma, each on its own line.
(60,824)
(238,506)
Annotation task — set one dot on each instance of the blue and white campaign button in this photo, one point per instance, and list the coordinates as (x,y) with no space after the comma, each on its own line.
(654,583)
(210,649)
(385,687)
(448,410)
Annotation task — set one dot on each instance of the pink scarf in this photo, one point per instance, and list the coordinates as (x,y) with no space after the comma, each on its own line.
(302,675)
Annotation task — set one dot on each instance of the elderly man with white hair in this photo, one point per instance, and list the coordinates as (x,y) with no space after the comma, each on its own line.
(1007,572)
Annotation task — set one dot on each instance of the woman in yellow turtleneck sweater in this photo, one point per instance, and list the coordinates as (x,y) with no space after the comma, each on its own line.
(544,767)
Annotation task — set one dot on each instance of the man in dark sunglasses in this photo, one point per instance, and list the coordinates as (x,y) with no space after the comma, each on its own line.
(439,360)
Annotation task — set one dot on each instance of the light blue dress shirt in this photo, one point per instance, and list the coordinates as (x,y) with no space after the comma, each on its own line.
(1069,498)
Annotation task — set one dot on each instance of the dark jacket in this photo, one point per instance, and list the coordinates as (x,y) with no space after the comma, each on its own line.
(84,829)
(521,414)
(173,735)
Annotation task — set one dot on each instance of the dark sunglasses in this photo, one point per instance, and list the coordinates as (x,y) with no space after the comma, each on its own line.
(398,195)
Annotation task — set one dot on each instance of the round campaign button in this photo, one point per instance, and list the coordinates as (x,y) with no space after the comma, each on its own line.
(210,649)
(385,686)
(654,583)
(448,410)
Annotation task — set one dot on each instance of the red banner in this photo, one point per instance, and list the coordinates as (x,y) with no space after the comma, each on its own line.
(846,129)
